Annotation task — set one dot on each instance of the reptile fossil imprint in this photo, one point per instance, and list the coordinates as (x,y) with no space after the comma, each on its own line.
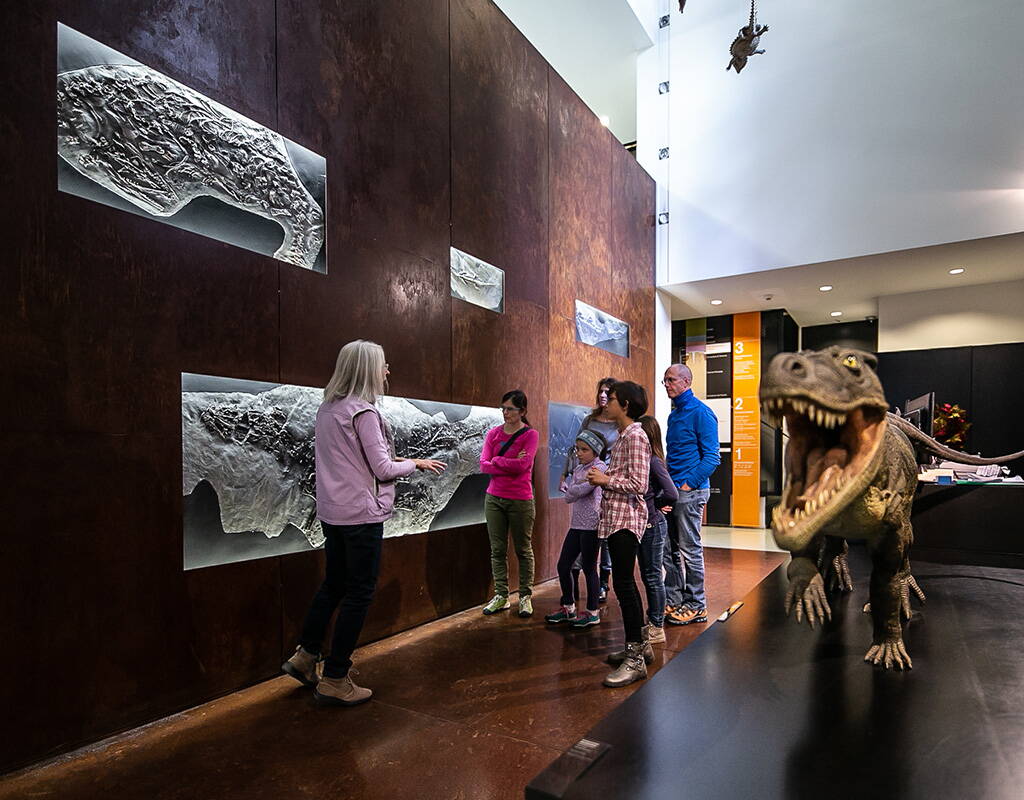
(159,144)
(851,474)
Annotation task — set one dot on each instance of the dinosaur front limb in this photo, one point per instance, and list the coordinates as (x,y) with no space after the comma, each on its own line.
(834,564)
(806,592)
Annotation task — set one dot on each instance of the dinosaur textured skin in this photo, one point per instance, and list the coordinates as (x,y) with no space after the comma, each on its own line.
(851,474)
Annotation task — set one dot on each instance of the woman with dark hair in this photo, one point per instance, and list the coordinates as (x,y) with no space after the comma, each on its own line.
(661,493)
(356,470)
(507,456)
(624,518)
(599,421)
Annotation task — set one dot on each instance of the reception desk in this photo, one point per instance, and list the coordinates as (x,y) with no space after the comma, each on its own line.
(981,523)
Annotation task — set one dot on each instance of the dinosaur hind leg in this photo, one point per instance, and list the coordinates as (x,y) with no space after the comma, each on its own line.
(887,588)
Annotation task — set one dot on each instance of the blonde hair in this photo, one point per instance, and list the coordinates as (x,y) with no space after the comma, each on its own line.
(359,371)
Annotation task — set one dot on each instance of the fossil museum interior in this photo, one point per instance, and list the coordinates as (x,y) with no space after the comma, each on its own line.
(494,399)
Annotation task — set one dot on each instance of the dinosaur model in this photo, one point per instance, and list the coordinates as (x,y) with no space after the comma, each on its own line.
(746,42)
(851,474)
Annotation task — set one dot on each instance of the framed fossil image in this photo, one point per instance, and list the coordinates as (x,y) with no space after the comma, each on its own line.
(248,468)
(132,138)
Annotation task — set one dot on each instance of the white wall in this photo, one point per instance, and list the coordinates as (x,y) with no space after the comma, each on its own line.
(867,126)
(991,313)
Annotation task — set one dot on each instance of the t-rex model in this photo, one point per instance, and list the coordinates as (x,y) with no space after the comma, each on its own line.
(851,474)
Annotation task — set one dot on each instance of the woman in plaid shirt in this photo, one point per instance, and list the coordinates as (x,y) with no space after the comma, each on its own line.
(624,518)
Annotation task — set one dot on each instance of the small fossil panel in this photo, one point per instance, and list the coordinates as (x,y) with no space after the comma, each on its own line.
(595,327)
(477,282)
(248,468)
(130,137)
(564,423)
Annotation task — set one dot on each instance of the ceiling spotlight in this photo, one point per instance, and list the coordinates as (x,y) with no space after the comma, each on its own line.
(835,313)
(957,271)
(826,288)
(663,218)
(716,302)
(605,120)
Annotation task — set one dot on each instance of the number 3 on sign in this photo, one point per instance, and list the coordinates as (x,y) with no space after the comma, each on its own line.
(739,347)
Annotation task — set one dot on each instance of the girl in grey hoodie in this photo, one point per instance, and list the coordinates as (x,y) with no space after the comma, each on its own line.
(581,539)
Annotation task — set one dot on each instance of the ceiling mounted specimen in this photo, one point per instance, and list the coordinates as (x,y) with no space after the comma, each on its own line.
(745,44)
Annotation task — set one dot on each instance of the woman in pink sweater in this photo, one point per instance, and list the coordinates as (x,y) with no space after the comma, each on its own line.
(507,456)
(356,470)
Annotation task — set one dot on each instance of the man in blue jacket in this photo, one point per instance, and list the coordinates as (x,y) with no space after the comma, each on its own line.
(692,455)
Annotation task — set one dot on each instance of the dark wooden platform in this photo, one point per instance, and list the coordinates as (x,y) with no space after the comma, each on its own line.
(760,707)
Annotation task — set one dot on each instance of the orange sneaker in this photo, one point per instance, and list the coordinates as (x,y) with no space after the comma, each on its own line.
(686,616)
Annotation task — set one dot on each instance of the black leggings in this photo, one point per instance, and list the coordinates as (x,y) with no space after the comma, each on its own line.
(623,546)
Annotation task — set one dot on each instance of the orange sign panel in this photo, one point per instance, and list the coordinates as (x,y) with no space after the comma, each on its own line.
(746,420)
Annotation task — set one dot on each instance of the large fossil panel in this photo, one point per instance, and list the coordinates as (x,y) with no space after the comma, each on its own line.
(597,328)
(248,470)
(477,282)
(564,423)
(132,138)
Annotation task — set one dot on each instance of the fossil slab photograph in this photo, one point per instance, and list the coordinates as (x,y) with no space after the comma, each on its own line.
(595,327)
(132,138)
(477,282)
(564,423)
(249,478)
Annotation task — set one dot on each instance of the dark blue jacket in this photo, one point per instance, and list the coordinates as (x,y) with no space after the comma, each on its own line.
(692,442)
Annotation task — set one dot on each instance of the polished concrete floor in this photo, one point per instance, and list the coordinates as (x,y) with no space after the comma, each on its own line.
(466,707)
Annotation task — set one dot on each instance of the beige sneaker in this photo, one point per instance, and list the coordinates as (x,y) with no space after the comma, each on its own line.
(654,633)
(340,691)
(302,667)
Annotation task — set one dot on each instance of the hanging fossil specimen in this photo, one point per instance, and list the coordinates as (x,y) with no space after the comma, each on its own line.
(745,44)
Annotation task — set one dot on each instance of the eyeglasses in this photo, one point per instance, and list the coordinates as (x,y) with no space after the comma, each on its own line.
(668,381)
(508,409)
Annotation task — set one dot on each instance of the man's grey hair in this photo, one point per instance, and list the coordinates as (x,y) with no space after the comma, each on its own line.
(683,370)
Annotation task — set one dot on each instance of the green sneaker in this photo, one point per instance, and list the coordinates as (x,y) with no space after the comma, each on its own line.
(525,606)
(564,614)
(498,603)
(585,619)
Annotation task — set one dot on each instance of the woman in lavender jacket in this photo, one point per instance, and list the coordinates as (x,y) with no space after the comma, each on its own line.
(356,469)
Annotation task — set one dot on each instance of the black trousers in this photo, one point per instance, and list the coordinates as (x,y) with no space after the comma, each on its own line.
(623,547)
(353,565)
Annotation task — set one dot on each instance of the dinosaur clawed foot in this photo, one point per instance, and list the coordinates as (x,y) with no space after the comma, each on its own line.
(890,653)
(808,597)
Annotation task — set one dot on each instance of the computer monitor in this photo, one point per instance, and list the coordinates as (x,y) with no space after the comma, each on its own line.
(921,412)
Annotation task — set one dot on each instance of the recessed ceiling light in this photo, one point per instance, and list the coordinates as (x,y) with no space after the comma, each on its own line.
(716,302)
(836,313)
(825,288)
(957,271)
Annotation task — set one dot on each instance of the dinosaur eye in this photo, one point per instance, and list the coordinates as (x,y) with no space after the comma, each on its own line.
(851,362)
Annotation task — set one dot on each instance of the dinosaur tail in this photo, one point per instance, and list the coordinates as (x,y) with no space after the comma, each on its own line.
(939,449)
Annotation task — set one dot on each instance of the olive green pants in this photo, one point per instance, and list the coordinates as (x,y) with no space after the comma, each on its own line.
(516,516)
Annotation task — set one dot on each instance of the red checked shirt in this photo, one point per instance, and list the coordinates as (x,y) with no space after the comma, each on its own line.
(622,502)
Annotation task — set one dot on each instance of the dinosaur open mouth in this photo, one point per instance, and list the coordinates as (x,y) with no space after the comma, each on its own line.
(828,457)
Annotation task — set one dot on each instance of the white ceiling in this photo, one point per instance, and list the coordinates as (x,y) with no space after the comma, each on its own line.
(858,282)
(592,44)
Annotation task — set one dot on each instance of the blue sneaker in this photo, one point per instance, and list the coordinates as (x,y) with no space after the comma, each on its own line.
(586,619)
(564,614)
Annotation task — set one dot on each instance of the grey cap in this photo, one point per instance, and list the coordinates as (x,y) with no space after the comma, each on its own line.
(592,439)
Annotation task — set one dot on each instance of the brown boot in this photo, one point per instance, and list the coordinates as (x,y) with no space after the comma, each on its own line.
(340,691)
(302,667)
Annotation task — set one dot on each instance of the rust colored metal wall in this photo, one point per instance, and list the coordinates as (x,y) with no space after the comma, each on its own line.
(441,126)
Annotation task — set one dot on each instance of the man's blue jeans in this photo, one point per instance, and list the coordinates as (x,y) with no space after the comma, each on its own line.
(684,553)
(651,557)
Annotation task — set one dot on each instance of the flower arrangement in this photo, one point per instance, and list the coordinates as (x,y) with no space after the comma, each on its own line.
(950,426)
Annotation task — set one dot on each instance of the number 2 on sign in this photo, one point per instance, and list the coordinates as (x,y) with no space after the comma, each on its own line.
(737,404)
